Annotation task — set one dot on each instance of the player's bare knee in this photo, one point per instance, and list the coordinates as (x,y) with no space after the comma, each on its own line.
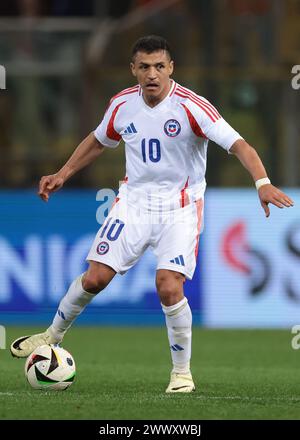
(166,280)
(169,288)
(97,277)
(94,283)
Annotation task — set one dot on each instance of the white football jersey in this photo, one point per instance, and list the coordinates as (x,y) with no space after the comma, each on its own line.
(165,146)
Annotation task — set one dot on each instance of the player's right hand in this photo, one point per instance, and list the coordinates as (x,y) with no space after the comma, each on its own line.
(48,185)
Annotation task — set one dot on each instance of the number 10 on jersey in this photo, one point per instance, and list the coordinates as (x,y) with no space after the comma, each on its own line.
(151,150)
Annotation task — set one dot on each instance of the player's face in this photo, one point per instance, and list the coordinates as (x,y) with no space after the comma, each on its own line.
(153,71)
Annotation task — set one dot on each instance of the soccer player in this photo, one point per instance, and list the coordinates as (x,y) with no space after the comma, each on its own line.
(166,128)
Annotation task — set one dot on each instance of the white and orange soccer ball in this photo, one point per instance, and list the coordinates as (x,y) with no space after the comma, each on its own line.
(50,367)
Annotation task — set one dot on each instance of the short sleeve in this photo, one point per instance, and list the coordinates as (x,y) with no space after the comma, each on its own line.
(106,132)
(223,134)
(213,126)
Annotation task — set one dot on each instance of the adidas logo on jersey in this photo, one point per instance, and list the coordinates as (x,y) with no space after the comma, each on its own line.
(178,260)
(130,129)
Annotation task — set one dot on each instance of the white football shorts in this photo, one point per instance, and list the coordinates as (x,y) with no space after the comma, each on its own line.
(129,230)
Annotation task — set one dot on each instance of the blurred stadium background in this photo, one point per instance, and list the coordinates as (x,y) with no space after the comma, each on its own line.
(64,60)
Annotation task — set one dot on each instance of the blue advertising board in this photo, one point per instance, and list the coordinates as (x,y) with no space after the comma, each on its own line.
(43,247)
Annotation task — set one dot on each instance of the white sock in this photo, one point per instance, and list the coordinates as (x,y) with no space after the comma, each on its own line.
(179,326)
(72,304)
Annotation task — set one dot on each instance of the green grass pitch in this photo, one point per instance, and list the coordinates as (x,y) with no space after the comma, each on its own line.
(122,374)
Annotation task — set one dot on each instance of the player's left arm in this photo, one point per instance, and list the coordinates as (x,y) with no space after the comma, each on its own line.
(267,193)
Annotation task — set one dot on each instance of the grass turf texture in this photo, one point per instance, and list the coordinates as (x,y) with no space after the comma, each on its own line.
(122,374)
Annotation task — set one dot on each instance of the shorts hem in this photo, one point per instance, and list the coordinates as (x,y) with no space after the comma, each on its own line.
(187,274)
(112,266)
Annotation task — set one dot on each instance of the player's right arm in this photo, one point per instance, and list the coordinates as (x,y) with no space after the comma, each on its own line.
(86,152)
(106,135)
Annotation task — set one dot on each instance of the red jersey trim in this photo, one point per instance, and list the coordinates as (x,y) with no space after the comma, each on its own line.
(110,130)
(213,118)
(173,88)
(199,207)
(126,91)
(206,104)
(198,103)
(193,123)
(184,197)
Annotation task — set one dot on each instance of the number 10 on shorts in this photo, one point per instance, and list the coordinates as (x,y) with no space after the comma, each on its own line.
(114,231)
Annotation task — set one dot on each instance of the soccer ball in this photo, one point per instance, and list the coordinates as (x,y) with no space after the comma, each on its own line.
(50,367)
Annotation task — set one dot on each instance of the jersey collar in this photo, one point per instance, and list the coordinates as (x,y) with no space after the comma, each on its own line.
(164,101)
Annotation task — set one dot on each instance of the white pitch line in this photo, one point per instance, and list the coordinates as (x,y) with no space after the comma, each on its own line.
(293,399)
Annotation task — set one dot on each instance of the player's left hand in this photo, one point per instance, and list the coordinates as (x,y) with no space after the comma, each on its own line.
(270,194)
